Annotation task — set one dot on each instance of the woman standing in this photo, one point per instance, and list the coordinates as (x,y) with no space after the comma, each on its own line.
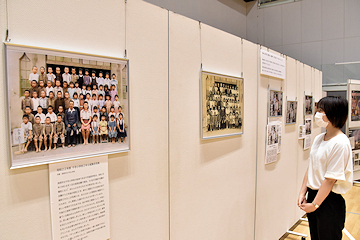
(85,118)
(330,172)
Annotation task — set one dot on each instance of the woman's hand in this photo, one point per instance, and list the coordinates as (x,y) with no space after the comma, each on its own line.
(301,200)
(308,207)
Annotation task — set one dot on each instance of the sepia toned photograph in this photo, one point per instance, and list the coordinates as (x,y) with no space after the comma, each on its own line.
(65,105)
(275,103)
(222,102)
(308,105)
(291,112)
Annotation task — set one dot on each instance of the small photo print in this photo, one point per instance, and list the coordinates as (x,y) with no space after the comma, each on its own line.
(308,126)
(291,112)
(276,101)
(273,134)
(308,105)
(355,134)
(222,105)
(355,105)
(356,155)
(301,132)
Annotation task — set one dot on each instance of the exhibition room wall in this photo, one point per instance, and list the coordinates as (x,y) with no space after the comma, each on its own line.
(226,15)
(138,179)
(172,184)
(319,33)
(278,184)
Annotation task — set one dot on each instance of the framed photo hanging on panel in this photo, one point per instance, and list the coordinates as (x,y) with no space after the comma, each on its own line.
(222,105)
(354,103)
(275,103)
(354,137)
(308,126)
(65,105)
(291,112)
(308,105)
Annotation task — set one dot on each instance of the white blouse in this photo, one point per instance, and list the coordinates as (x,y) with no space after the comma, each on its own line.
(85,115)
(331,159)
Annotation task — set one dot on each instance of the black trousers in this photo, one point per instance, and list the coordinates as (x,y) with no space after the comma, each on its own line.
(71,139)
(327,222)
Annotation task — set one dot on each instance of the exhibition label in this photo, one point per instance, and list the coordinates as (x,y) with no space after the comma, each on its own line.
(79,195)
(272,64)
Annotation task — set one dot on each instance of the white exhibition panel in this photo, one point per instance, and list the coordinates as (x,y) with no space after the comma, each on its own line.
(211,181)
(309,87)
(221,51)
(276,185)
(138,179)
(84,25)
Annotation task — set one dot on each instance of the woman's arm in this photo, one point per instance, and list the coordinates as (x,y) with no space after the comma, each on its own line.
(324,190)
(303,190)
(90,118)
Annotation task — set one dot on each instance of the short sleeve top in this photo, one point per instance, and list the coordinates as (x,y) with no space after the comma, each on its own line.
(331,159)
(85,114)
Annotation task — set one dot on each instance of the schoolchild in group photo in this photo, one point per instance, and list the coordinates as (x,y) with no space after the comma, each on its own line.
(67,109)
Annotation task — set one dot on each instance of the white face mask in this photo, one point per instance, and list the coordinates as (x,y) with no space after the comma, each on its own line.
(319,120)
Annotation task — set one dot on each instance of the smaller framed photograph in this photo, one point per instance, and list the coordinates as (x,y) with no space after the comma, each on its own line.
(356,159)
(308,126)
(355,135)
(275,103)
(354,103)
(291,112)
(308,105)
(301,132)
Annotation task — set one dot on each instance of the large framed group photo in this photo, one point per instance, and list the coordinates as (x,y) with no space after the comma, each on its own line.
(222,105)
(65,105)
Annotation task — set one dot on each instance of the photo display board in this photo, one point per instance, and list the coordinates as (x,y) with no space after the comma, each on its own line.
(354,103)
(222,105)
(61,105)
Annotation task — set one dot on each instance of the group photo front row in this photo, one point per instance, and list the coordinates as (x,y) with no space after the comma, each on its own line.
(71,109)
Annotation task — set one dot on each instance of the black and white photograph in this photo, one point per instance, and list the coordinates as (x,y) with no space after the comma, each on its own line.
(308,105)
(273,134)
(291,112)
(275,103)
(307,126)
(65,105)
(273,143)
(222,105)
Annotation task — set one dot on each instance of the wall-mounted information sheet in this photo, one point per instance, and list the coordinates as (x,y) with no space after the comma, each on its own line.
(79,196)
(272,64)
